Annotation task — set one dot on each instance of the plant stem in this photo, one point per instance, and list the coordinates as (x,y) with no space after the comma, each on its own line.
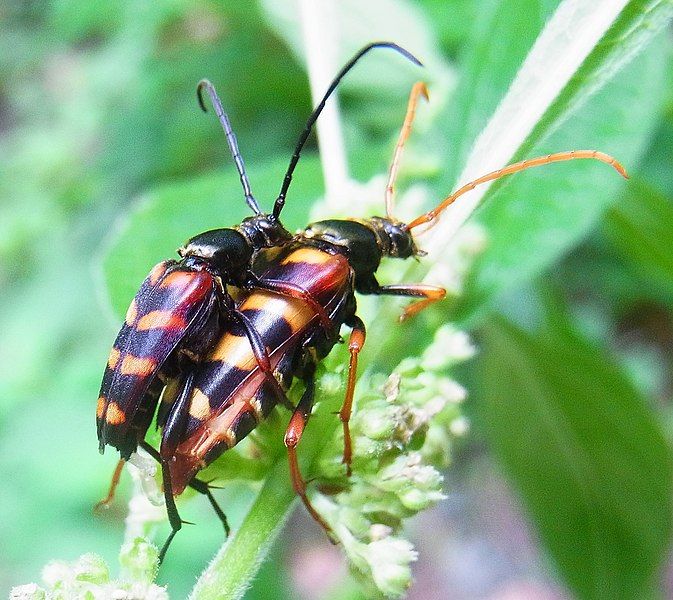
(320,32)
(235,565)
(232,569)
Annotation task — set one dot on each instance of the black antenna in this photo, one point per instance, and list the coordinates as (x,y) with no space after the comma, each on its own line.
(231,139)
(280,201)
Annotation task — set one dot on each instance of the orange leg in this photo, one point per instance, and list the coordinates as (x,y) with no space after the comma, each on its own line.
(295,430)
(429,293)
(355,344)
(105,502)
(419,89)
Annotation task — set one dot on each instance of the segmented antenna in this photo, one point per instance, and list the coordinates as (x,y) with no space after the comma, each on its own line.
(419,89)
(280,201)
(430,216)
(231,139)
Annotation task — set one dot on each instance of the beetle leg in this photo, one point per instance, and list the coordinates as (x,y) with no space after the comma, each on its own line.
(293,434)
(429,293)
(355,344)
(203,488)
(292,290)
(172,510)
(262,357)
(176,420)
(197,485)
(173,429)
(168,399)
(105,502)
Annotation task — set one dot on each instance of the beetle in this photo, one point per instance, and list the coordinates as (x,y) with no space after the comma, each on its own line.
(182,306)
(225,396)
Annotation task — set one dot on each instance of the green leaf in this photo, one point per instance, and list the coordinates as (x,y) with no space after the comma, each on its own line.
(585,454)
(359,23)
(501,36)
(640,226)
(549,209)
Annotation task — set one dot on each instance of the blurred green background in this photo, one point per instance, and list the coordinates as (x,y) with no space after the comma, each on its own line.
(570,396)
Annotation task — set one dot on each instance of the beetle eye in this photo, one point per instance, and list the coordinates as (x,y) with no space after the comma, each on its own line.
(403,244)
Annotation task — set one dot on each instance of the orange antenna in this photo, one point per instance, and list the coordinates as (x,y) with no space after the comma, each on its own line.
(515,168)
(419,89)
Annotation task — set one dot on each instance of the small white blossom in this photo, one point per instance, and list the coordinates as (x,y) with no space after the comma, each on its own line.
(460,426)
(30,591)
(402,430)
(89,577)
(139,561)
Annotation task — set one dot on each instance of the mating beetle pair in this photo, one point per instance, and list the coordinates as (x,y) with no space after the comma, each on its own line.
(214,366)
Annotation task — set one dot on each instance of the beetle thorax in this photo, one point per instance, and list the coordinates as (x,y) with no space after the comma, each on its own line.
(225,250)
(364,242)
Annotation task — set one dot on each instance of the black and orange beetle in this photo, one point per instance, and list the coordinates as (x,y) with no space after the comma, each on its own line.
(182,305)
(226,395)
(295,306)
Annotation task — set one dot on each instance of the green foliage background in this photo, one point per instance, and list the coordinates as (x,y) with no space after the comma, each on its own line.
(571,303)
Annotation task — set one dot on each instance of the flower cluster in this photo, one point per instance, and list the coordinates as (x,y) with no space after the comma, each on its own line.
(402,434)
(89,577)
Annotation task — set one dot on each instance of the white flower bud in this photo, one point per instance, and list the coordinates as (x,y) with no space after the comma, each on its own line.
(389,560)
(30,591)
(92,569)
(139,560)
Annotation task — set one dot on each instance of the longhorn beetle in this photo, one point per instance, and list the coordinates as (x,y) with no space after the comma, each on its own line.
(210,406)
(224,397)
(182,305)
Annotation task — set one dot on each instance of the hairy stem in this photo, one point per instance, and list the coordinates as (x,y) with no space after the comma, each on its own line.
(235,565)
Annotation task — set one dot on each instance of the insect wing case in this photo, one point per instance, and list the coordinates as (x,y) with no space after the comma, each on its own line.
(230,394)
(174,304)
